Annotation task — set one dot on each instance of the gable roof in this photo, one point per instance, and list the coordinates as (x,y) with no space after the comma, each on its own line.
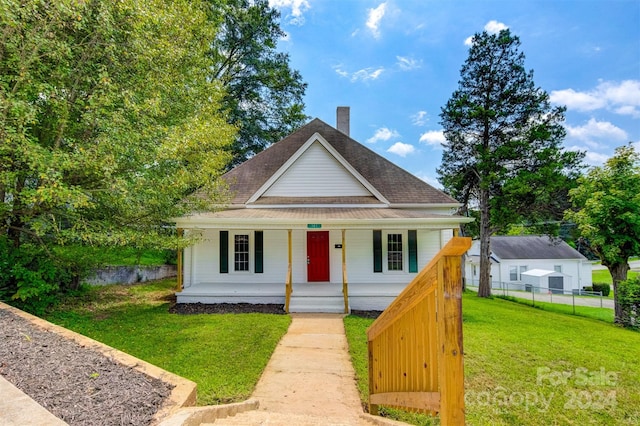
(532,247)
(392,182)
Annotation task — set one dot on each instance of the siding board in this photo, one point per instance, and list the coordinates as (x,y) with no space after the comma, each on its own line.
(301,179)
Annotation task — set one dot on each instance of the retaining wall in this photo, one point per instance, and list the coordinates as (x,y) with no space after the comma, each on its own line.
(131,274)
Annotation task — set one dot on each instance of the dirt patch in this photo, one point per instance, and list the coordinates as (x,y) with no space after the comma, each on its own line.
(77,384)
(226,308)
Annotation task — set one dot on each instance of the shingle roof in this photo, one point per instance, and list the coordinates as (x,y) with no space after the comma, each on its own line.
(532,247)
(395,184)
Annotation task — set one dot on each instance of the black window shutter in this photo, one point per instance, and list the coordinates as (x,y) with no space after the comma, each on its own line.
(377,251)
(224,252)
(413,251)
(258,244)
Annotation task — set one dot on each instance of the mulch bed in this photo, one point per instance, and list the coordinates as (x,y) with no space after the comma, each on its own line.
(226,308)
(77,384)
(84,387)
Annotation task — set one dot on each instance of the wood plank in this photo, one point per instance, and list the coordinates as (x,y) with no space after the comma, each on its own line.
(428,401)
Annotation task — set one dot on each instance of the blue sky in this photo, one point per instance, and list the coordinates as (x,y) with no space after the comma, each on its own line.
(397,62)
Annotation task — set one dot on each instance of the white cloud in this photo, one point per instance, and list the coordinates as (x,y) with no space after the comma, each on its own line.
(576,100)
(402,149)
(492,27)
(619,97)
(420,118)
(373,20)
(596,130)
(365,74)
(383,134)
(407,64)
(298,7)
(433,137)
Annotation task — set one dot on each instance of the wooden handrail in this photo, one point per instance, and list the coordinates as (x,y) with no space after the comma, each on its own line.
(415,346)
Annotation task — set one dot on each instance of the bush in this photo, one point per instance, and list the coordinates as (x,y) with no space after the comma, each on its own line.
(34,278)
(603,287)
(629,300)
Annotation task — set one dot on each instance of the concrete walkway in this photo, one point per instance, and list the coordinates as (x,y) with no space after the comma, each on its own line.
(18,409)
(309,379)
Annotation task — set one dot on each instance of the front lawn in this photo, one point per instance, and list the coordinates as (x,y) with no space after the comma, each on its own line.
(224,354)
(527,366)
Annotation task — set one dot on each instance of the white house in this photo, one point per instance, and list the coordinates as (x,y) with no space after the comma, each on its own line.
(319,217)
(523,262)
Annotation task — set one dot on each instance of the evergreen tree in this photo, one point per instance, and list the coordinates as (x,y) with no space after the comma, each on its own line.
(503,151)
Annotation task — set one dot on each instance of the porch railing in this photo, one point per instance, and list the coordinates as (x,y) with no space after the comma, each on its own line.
(415,346)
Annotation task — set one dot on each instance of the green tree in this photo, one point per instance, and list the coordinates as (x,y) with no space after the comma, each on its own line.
(264,96)
(109,121)
(607,212)
(503,152)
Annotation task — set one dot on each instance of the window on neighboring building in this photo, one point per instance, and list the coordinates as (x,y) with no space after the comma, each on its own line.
(557,268)
(241,252)
(394,252)
(513,273)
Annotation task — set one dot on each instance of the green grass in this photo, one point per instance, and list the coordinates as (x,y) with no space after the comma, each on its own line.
(600,314)
(224,354)
(603,276)
(516,355)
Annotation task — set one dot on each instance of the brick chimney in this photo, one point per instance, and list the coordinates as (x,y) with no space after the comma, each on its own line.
(342,115)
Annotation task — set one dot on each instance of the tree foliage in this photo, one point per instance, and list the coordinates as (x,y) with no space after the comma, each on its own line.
(109,121)
(607,212)
(263,94)
(503,151)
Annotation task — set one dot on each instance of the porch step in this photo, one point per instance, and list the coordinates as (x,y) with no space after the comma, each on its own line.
(317,304)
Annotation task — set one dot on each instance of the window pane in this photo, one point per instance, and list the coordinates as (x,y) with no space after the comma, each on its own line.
(513,273)
(241,252)
(557,268)
(394,252)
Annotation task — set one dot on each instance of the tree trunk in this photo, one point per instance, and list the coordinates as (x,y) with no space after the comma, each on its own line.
(618,273)
(484,288)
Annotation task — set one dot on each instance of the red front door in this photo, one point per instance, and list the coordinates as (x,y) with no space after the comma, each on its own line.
(317,256)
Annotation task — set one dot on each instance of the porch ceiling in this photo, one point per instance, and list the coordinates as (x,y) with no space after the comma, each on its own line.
(282,218)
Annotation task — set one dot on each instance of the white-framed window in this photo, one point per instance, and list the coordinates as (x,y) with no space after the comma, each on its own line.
(557,268)
(475,270)
(241,252)
(515,272)
(395,259)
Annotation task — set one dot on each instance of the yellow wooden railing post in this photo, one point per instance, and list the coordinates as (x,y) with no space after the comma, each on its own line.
(179,265)
(288,284)
(450,351)
(345,284)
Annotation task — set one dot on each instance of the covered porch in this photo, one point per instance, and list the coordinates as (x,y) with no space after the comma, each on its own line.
(308,260)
